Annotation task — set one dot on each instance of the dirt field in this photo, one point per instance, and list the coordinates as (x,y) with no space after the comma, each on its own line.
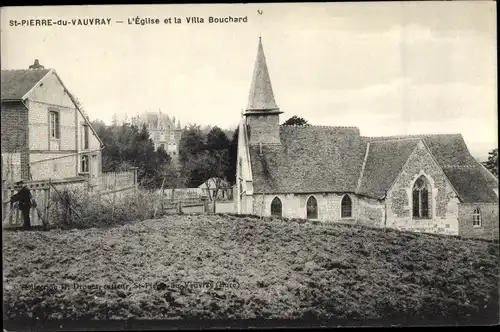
(199,266)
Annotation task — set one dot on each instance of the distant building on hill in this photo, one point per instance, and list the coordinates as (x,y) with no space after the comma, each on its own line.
(162,129)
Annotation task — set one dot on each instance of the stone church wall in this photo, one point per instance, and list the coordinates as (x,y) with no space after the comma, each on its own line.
(371,212)
(443,200)
(489,220)
(368,211)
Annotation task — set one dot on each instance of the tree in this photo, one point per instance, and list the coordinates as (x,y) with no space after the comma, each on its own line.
(217,139)
(296,121)
(203,166)
(171,175)
(191,142)
(195,169)
(126,146)
(492,163)
(216,169)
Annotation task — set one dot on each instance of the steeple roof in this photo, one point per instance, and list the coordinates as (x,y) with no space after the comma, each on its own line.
(261,98)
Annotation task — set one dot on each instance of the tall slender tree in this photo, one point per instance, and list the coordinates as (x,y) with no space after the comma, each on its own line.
(492,163)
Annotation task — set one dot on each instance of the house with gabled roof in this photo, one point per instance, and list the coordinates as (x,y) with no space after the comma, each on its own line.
(45,134)
(424,183)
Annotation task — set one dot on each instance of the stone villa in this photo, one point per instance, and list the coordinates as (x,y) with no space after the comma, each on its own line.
(427,183)
(162,129)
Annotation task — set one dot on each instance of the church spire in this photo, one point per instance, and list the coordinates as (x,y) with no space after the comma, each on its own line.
(261,98)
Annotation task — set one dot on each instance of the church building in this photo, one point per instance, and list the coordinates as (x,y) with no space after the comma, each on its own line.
(423,183)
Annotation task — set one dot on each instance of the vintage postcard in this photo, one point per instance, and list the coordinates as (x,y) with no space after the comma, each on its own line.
(249,165)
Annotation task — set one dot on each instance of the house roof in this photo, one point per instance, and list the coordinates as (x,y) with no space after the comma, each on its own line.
(154,118)
(261,96)
(212,182)
(335,159)
(309,159)
(17,82)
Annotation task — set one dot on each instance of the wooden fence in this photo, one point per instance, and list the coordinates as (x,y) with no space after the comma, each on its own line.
(188,193)
(113,181)
(41,192)
(11,215)
(166,205)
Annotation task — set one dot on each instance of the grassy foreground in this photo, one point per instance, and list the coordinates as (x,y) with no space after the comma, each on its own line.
(223,267)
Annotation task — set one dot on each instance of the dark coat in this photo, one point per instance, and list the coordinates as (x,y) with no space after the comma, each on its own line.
(24,197)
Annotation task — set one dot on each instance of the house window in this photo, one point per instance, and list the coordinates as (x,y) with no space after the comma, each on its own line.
(276,207)
(85,136)
(54,124)
(312,208)
(476,217)
(421,198)
(85,164)
(346,207)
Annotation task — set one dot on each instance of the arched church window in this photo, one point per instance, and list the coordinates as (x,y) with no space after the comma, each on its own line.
(346,207)
(421,198)
(476,217)
(276,208)
(312,208)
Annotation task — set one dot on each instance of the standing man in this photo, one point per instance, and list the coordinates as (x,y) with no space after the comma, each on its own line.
(24,198)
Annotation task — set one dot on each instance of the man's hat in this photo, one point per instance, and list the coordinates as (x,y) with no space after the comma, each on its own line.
(19,183)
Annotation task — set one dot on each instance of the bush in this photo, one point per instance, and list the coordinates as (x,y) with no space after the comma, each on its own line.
(97,211)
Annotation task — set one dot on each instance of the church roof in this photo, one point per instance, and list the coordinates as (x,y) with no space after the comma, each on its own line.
(384,162)
(261,96)
(470,179)
(309,159)
(319,159)
(17,82)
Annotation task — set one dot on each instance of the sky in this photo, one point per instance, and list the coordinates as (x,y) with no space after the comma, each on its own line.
(388,68)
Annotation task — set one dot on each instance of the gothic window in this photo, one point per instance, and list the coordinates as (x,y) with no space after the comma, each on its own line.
(476,217)
(346,207)
(421,198)
(312,208)
(276,207)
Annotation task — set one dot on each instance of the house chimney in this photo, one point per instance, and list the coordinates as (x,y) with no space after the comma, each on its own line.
(36,65)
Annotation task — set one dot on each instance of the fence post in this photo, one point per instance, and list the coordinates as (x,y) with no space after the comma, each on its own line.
(134,169)
(114,200)
(4,196)
(47,206)
(179,207)
(204,199)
